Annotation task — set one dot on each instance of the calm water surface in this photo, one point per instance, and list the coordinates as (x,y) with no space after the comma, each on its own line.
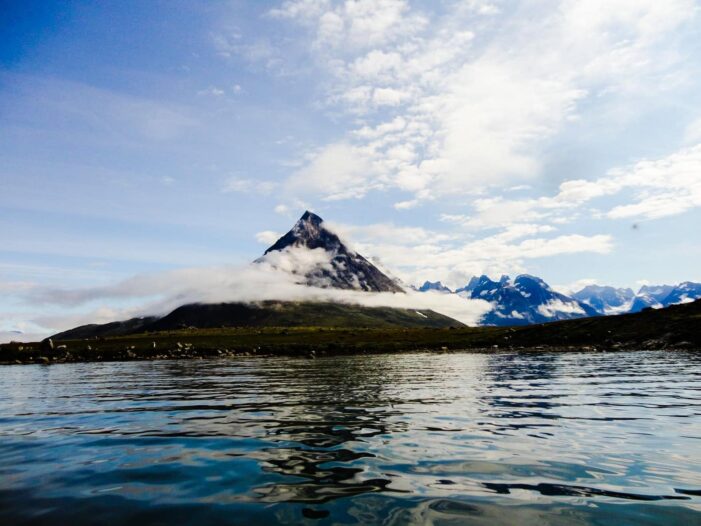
(388,439)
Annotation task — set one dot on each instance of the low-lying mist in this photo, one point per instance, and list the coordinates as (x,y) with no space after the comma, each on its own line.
(281,277)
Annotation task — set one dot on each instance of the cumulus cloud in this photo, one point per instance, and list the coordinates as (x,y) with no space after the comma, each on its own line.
(358,24)
(447,103)
(267,237)
(652,189)
(338,171)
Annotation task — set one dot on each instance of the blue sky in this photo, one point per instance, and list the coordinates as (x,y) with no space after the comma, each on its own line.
(452,138)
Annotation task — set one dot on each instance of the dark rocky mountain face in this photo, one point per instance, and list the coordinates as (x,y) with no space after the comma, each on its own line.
(342,269)
(479,282)
(308,232)
(605,299)
(523,301)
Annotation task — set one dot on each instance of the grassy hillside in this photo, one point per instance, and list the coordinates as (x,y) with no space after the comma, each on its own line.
(266,314)
(676,327)
(298,314)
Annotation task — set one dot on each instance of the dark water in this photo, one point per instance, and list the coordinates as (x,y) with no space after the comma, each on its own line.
(389,439)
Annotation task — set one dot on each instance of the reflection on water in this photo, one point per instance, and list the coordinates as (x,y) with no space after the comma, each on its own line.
(450,438)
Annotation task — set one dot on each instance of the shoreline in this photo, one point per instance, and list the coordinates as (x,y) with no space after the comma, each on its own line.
(305,342)
(208,354)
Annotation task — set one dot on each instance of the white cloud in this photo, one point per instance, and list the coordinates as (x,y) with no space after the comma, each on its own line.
(653,189)
(570,288)
(244,185)
(387,233)
(356,24)
(229,42)
(281,209)
(662,187)
(338,171)
(414,253)
(406,205)
(556,306)
(212,91)
(471,108)
(267,237)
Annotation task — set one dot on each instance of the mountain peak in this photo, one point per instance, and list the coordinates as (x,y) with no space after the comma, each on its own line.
(311,217)
(344,268)
(308,231)
(309,222)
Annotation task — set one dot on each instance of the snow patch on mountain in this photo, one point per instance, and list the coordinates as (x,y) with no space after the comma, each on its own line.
(434,285)
(606,300)
(556,306)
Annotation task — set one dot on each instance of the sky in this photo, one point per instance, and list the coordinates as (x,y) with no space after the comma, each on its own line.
(163,141)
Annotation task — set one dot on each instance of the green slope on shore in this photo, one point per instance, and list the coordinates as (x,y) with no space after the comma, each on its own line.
(266,314)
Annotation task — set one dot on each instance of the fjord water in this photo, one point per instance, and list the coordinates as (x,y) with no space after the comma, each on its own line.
(450,438)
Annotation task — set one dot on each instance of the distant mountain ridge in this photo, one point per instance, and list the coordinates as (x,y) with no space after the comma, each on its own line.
(659,296)
(528,299)
(610,300)
(524,300)
(606,299)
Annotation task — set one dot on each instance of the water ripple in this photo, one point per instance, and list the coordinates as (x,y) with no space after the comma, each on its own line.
(598,438)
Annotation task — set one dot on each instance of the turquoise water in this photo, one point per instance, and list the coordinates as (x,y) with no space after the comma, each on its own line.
(453,438)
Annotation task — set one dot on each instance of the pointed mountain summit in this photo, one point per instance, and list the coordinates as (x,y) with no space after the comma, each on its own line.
(313,251)
(308,232)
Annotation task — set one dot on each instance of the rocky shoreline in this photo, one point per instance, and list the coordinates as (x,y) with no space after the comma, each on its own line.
(46,353)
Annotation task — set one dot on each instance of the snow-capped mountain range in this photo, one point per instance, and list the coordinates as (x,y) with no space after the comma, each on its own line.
(658,296)
(528,299)
(520,301)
